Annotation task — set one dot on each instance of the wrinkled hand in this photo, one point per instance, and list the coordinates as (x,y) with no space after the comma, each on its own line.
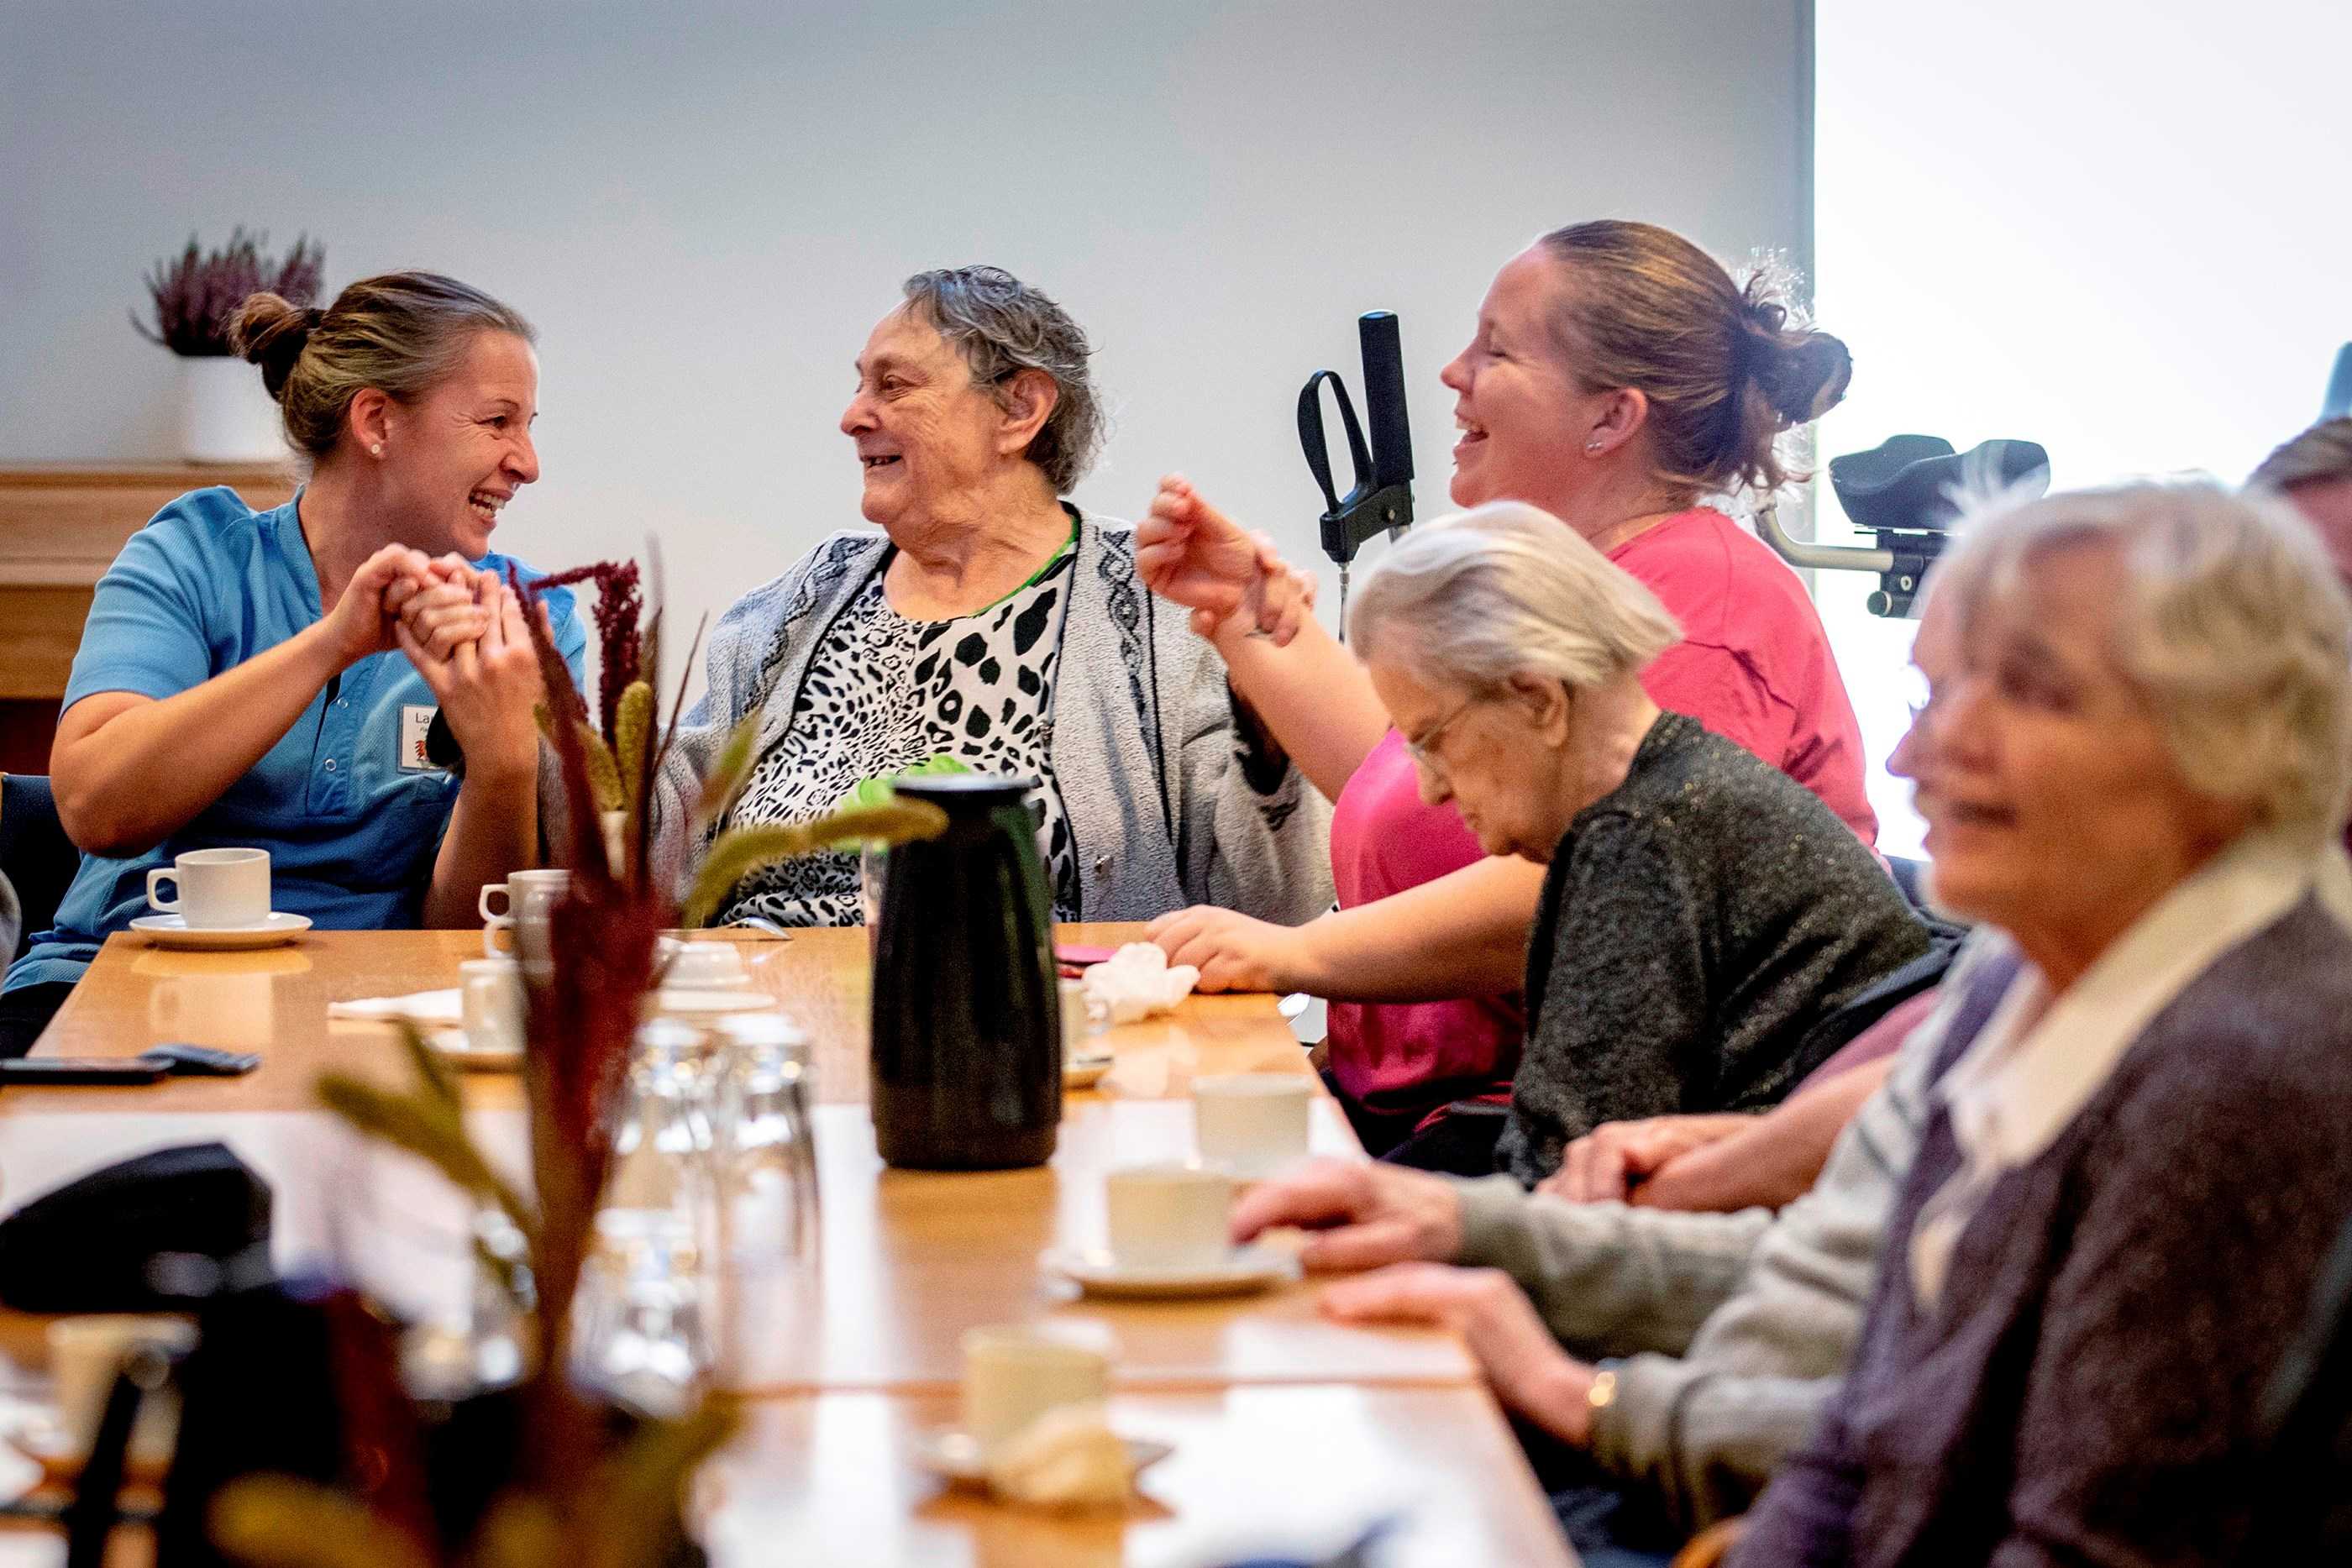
(1190,553)
(1233,952)
(1363,1214)
(486,687)
(1614,1159)
(1526,1365)
(361,622)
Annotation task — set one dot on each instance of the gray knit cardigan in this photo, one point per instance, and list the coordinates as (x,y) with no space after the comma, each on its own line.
(1144,747)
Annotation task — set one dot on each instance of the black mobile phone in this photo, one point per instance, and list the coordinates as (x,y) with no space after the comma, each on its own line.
(80,1070)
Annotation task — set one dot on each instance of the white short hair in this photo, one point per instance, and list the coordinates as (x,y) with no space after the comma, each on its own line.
(1503,589)
(2232,625)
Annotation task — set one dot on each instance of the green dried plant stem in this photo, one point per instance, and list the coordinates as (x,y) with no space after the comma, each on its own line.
(632,737)
(739,853)
(603,772)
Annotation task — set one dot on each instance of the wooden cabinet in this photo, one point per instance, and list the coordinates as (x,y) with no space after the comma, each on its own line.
(61,524)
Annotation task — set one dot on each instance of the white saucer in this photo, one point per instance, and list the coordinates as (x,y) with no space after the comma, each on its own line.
(953,1456)
(1086,1072)
(677,1003)
(1243,1271)
(173,931)
(461,1052)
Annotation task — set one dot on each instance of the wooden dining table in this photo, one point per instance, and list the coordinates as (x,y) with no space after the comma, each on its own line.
(1291,1434)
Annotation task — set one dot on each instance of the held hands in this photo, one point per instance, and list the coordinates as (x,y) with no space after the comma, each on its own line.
(1234,583)
(1233,952)
(363,619)
(1615,1159)
(465,633)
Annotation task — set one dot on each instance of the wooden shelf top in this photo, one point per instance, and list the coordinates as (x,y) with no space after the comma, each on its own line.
(82,474)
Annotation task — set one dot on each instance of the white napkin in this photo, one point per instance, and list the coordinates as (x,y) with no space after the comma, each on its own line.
(1135,982)
(423,1007)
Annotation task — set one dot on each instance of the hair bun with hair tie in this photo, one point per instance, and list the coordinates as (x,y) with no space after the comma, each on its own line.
(1801,373)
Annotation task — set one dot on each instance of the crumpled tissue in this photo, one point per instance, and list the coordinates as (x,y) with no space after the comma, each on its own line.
(1136,982)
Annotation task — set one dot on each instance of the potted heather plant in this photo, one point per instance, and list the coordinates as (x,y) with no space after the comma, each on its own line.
(225,414)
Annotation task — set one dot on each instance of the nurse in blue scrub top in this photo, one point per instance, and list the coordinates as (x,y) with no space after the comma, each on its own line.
(267,678)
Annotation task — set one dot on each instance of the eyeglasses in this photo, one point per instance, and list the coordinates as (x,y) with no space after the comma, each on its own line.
(1423,751)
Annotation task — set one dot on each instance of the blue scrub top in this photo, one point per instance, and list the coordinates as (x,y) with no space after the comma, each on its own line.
(352,825)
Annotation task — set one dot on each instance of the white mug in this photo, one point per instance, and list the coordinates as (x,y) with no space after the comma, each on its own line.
(529,895)
(1252,1122)
(1012,1375)
(490,994)
(215,890)
(1170,1215)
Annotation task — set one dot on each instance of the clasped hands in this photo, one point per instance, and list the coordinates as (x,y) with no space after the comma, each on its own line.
(464,632)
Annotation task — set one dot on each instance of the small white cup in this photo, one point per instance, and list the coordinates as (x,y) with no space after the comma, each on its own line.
(703,965)
(1012,1375)
(1170,1215)
(86,1353)
(1252,1122)
(1078,1021)
(215,890)
(490,992)
(528,896)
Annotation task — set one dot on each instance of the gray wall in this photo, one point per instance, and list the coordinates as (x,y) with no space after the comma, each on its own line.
(705,212)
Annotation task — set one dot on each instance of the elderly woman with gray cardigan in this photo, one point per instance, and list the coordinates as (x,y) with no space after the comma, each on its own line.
(1702,910)
(991,625)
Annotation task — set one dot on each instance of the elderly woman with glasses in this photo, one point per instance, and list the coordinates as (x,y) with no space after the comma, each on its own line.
(993,624)
(2141,1153)
(1701,911)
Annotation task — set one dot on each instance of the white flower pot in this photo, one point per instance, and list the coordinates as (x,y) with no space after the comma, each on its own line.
(226,415)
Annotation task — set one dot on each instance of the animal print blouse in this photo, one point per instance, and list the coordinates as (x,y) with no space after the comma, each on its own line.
(883,693)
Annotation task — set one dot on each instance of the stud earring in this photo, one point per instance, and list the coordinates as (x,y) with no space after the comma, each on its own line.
(1590,447)
(376,450)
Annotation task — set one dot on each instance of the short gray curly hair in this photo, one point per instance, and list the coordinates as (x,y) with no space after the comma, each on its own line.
(2232,626)
(1003,326)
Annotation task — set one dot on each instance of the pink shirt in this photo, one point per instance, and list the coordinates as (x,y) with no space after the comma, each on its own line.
(1754,666)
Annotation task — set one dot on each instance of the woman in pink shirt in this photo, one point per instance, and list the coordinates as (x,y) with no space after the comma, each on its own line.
(1617,375)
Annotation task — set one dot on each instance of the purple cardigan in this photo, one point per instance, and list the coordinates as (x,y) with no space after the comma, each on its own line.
(2086,1390)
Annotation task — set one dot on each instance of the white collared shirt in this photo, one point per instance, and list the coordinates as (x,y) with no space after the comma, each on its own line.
(2039,1059)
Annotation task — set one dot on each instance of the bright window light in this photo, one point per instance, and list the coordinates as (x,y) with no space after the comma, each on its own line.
(2119,231)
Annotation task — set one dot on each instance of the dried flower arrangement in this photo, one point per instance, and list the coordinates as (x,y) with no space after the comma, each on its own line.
(579,1497)
(196,295)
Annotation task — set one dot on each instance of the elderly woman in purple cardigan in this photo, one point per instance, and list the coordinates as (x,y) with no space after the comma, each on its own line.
(2142,1144)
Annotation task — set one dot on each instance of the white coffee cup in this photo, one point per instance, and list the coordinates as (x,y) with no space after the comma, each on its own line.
(1012,1375)
(1078,1028)
(528,896)
(490,995)
(1252,1122)
(85,1354)
(703,965)
(1170,1215)
(215,890)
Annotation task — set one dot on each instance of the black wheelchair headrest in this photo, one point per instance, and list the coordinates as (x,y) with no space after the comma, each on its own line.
(1909,482)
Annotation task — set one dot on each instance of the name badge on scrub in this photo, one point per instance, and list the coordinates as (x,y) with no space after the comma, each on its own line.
(416,723)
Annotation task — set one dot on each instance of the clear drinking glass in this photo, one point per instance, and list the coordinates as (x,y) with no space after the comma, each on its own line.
(641,1324)
(767,1154)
